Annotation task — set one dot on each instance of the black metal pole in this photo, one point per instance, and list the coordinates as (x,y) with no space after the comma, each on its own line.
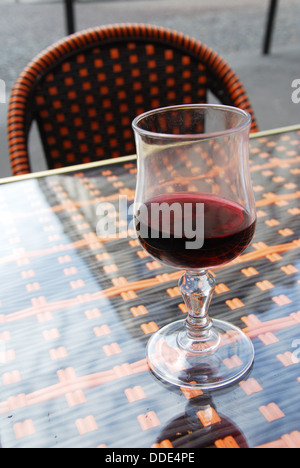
(69,8)
(270,26)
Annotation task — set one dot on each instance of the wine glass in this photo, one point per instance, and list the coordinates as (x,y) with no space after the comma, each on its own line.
(195,211)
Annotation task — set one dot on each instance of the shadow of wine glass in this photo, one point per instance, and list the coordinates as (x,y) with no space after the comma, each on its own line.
(201,426)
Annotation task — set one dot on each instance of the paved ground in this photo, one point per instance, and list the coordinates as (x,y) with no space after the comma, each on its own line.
(234,28)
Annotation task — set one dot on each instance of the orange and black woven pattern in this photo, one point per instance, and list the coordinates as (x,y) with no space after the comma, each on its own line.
(85,90)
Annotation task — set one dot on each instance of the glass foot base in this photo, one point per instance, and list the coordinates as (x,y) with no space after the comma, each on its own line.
(229,357)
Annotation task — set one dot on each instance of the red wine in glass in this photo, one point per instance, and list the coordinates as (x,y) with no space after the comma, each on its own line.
(226,227)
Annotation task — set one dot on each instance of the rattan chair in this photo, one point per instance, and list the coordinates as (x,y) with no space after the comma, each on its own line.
(85,90)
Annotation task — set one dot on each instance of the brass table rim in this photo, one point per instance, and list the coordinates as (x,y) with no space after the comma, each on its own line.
(124,159)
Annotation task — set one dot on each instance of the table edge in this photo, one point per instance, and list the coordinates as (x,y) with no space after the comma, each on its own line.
(132,157)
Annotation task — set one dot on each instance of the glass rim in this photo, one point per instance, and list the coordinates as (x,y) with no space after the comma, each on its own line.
(221,107)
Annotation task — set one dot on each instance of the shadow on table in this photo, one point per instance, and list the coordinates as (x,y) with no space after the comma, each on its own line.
(201,426)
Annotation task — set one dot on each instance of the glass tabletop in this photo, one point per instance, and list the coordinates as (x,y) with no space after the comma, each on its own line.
(77,310)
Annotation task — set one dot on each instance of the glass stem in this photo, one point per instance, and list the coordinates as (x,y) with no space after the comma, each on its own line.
(197,289)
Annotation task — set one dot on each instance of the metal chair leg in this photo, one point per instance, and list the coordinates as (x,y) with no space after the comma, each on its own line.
(270,26)
(70,20)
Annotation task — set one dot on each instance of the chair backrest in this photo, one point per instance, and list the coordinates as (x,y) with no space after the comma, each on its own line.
(85,90)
